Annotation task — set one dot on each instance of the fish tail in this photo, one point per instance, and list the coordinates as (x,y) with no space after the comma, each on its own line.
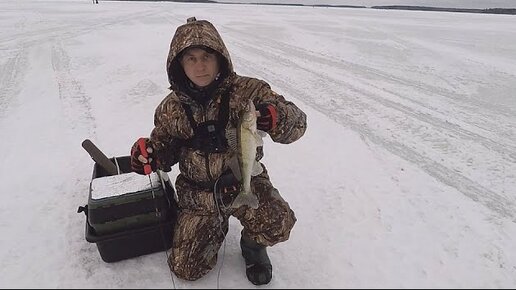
(248,199)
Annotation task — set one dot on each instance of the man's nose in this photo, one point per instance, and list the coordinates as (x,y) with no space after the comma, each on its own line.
(200,65)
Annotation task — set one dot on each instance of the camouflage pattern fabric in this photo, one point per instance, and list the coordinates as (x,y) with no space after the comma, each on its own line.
(199,232)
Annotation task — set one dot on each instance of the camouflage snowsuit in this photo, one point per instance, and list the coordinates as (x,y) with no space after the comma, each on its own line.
(199,233)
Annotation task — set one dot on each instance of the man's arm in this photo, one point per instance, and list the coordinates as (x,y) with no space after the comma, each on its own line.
(290,121)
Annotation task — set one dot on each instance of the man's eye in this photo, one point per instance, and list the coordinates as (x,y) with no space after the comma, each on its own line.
(209,57)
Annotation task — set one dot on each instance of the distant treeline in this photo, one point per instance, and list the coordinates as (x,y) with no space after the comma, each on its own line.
(511,11)
(296,4)
(250,3)
(186,1)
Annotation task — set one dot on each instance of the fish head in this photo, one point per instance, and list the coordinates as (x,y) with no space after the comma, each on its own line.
(248,115)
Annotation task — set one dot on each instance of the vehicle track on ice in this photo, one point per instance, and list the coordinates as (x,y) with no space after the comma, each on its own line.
(76,104)
(11,75)
(405,127)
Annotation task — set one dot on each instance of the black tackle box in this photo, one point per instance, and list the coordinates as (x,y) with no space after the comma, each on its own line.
(128,214)
(132,243)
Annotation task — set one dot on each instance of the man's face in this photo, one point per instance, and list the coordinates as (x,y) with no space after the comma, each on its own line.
(200,66)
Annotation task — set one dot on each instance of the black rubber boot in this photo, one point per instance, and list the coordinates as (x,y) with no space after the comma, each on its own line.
(258,265)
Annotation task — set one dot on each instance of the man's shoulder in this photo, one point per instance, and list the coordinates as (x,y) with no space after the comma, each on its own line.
(249,82)
(169,103)
(172,97)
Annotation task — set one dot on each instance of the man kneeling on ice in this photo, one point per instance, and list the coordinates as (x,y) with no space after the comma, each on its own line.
(210,124)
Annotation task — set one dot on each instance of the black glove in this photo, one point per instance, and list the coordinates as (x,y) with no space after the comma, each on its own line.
(138,162)
(268,117)
(226,189)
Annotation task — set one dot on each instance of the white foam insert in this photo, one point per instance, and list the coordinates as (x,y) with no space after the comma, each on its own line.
(116,185)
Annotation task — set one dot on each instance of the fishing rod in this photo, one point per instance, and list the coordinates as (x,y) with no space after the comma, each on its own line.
(147,169)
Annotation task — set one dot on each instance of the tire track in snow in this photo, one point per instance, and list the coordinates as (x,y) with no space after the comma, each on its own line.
(76,104)
(51,32)
(507,150)
(295,52)
(11,75)
(500,204)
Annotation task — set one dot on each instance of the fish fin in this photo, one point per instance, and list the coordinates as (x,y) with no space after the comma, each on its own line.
(244,198)
(262,134)
(231,136)
(233,165)
(259,138)
(257,169)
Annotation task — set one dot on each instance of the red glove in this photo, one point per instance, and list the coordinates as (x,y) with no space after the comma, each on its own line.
(268,117)
(143,162)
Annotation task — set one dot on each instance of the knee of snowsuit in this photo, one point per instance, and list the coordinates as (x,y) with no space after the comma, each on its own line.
(201,228)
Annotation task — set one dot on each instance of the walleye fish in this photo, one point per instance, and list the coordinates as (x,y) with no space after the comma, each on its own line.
(247,140)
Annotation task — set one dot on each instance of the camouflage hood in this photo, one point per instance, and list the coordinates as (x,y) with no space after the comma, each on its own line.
(195,33)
